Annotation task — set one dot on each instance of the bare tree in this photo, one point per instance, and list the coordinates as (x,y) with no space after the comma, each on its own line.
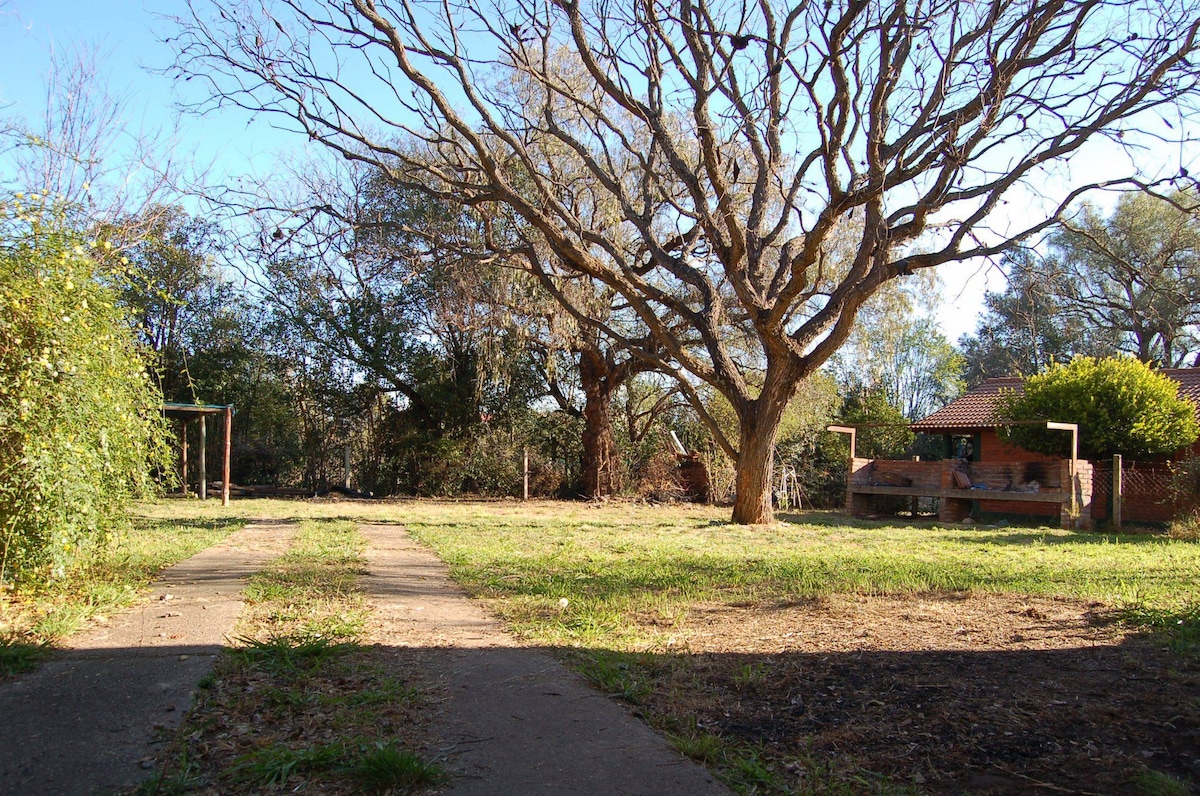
(83,156)
(730,139)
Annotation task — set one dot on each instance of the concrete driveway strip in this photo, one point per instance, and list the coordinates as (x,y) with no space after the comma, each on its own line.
(87,721)
(515,721)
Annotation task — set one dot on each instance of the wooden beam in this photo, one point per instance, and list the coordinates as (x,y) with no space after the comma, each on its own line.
(1118,487)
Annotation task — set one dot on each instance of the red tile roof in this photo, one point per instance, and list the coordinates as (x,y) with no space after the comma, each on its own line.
(977,409)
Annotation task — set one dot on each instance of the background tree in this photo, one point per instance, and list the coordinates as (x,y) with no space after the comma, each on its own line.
(1026,327)
(898,351)
(1135,273)
(731,140)
(171,284)
(1120,404)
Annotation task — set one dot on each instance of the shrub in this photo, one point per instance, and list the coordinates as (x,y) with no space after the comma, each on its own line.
(1120,404)
(80,426)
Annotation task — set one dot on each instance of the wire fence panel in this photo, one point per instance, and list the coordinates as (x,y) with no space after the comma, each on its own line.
(1151,491)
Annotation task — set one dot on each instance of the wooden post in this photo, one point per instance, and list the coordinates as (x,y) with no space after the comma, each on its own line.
(915,502)
(228,422)
(203,465)
(1118,487)
(183,457)
(525,492)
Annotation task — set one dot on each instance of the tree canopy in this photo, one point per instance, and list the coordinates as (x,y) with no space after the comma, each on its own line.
(1134,273)
(1098,285)
(1119,403)
(703,159)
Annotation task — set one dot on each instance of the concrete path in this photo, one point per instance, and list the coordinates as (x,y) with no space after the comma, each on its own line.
(85,721)
(515,720)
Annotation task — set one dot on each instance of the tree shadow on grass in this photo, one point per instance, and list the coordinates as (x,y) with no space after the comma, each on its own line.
(1012,721)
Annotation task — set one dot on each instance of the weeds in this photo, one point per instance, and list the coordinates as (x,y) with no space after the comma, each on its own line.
(300,701)
(288,655)
(1180,625)
(1185,528)
(384,767)
(617,674)
(275,765)
(1156,783)
(19,656)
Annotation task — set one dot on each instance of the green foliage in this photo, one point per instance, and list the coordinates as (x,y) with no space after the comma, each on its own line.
(1120,404)
(883,429)
(898,349)
(18,656)
(385,767)
(1027,326)
(80,427)
(1157,783)
(1134,274)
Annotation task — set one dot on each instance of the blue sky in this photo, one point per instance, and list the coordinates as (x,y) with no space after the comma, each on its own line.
(127,36)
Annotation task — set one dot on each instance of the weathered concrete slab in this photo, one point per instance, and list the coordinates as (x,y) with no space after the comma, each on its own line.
(85,721)
(516,721)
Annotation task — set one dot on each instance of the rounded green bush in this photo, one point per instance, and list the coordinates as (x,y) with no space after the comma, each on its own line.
(1120,404)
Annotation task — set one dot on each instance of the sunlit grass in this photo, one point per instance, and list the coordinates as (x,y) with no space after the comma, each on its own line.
(622,561)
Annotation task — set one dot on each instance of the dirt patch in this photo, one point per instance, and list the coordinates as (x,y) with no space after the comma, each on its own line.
(950,693)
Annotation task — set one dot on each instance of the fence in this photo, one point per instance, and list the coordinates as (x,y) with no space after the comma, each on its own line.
(1150,491)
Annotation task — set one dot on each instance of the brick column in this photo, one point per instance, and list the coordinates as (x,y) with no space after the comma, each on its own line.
(1081,485)
(951,509)
(858,505)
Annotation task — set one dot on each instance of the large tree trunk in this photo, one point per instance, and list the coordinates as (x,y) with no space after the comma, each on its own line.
(759,427)
(600,466)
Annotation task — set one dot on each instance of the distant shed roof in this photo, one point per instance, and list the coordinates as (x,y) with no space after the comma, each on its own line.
(179,410)
(977,409)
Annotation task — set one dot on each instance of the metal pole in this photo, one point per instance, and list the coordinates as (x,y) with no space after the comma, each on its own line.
(203,463)
(525,492)
(346,462)
(228,423)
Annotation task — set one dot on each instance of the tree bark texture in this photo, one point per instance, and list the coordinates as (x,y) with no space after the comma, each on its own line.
(758,423)
(600,463)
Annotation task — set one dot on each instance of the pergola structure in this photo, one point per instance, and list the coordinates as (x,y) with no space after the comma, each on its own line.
(199,413)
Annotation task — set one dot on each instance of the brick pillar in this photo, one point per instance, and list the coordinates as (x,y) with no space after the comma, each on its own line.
(858,505)
(951,509)
(1081,485)
(1085,476)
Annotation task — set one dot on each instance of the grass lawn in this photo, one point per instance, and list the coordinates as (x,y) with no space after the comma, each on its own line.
(826,655)
(614,564)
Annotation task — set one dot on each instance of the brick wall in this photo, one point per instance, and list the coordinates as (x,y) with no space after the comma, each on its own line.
(995,449)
